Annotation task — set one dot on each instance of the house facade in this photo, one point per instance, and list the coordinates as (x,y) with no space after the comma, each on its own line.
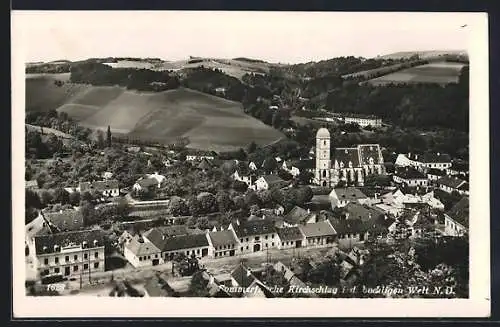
(268,182)
(222,243)
(425,161)
(362,120)
(255,235)
(191,244)
(320,234)
(108,188)
(142,253)
(69,254)
(457,219)
(453,183)
(410,177)
(291,237)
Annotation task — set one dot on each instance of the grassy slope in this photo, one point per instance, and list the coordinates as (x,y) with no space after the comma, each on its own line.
(209,122)
(442,73)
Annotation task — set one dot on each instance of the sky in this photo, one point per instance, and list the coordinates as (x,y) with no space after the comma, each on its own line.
(284,37)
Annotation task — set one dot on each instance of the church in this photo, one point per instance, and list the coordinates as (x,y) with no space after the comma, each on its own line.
(350,165)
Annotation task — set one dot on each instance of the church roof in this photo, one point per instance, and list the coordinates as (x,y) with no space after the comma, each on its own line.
(347,155)
(323,133)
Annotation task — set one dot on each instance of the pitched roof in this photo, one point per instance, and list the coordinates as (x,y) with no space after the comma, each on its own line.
(222,238)
(349,193)
(140,248)
(346,155)
(460,212)
(183,242)
(409,173)
(367,151)
(273,180)
(31,184)
(66,220)
(243,276)
(436,157)
(348,226)
(436,172)
(99,185)
(451,181)
(255,227)
(460,165)
(205,164)
(173,230)
(147,182)
(297,215)
(322,228)
(290,234)
(363,212)
(68,238)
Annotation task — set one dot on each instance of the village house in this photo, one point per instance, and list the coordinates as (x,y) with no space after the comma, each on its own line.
(349,231)
(246,178)
(291,168)
(423,162)
(299,216)
(458,167)
(252,166)
(457,219)
(205,165)
(361,120)
(69,253)
(340,197)
(243,279)
(256,235)
(453,183)
(222,243)
(31,185)
(107,175)
(149,181)
(220,91)
(191,244)
(269,182)
(434,174)
(108,188)
(319,234)
(290,237)
(410,177)
(141,253)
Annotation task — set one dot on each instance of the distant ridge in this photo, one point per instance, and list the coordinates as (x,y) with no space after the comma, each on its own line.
(422,54)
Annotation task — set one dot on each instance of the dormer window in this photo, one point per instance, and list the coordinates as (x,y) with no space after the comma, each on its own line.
(45,249)
(95,243)
(57,248)
(84,244)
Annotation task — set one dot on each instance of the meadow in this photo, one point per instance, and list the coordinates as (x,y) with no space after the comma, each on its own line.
(439,73)
(209,122)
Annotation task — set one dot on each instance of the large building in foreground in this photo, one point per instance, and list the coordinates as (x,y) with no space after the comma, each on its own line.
(350,165)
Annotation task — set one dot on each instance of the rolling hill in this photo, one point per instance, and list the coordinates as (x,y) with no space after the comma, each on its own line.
(209,122)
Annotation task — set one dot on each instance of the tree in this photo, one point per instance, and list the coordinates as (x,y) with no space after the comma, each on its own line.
(239,202)
(203,223)
(108,137)
(61,196)
(194,206)
(178,206)
(74,198)
(239,186)
(304,195)
(224,201)
(89,213)
(254,209)
(208,203)
(191,222)
(123,208)
(198,285)
(46,198)
(377,180)
(32,200)
(305,177)
(251,147)
(251,198)
(265,197)
(273,278)
(270,165)
(100,140)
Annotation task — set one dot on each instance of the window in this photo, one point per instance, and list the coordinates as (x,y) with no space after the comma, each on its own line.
(156,255)
(149,257)
(66,258)
(56,259)
(266,245)
(272,244)
(272,236)
(96,264)
(85,266)
(75,257)
(140,258)
(96,254)
(282,243)
(45,272)
(265,237)
(247,247)
(241,240)
(247,239)
(46,261)
(258,238)
(241,249)
(75,268)
(56,270)
(216,254)
(85,256)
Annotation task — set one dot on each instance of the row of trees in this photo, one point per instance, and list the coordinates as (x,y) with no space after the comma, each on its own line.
(132,78)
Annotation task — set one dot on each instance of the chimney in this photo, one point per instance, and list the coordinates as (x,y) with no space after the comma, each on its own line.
(308,210)
(237,221)
(347,215)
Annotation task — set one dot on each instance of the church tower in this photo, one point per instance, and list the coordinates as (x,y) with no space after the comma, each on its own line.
(323,164)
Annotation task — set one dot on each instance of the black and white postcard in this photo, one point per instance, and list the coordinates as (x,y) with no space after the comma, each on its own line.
(250,164)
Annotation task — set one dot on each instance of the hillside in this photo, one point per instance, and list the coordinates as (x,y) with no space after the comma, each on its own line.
(209,122)
(422,54)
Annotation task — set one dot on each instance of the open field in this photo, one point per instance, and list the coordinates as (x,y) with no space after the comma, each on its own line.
(210,122)
(422,54)
(439,72)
